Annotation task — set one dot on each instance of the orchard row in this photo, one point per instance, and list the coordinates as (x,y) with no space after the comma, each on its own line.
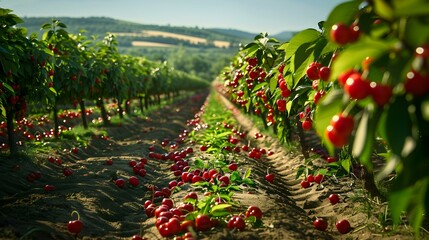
(63,68)
(360,83)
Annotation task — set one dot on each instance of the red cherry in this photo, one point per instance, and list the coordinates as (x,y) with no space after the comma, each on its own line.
(334,198)
(319,178)
(423,51)
(313,70)
(203,222)
(416,83)
(310,178)
(342,78)
(381,93)
(324,73)
(75,226)
(343,226)
(307,125)
(320,224)
(134,181)
(281,105)
(356,87)
(270,177)
(354,32)
(342,124)
(341,34)
(120,182)
(253,211)
(233,167)
(305,184)
(237,223)
(331,159)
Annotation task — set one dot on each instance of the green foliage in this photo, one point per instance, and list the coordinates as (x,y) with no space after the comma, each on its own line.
(386,52)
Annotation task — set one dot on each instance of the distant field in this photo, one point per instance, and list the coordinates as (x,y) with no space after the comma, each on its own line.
(151,33)
(150,44)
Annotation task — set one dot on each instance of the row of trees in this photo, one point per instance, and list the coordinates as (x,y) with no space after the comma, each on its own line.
(63,68)
(361,82)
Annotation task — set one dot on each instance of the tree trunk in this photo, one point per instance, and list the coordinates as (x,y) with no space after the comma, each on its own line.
(304,146)
(83,113)
(146,101)
(141,104)
(56,122)
(10,134)
(104,116)
(128,107)
(120,109)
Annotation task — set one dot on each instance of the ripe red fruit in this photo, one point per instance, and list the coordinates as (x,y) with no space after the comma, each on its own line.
(306,125)
(310,178)
(75,226)
(75,150)
(109,162)
(342,78)
(203,148)
(191,195)
(233,167)
(319,178)
(381,93)
(320,224)
(324,73)
(174,226)
(331,159)
(236,222)
(334,198)
(313,70)
(253,211)
(281,105)
(147,203)
(203,222)
(136,237)
(67,172)
(168,202)
(318,95)
(416,83)
(354,32)
(343,226)
(252,61)
(342,124)
(49,188)
(120,182)
(423,51)
(134,181)
(305,184)
(270,177)
(356,87)
(341,34)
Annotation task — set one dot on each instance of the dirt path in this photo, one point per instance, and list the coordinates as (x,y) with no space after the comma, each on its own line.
(109,212)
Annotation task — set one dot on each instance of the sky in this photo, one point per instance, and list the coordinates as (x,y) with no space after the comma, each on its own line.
(255,16)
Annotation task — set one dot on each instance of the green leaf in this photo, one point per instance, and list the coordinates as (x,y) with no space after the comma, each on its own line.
(365,137)
(346,164)
(411,198)
(46,26)
(325,110)
(199,164)
(397,132)
(383,9)
(247,173)
(220,207)
(235,176)
(342,13)
(305,36)
(353,55)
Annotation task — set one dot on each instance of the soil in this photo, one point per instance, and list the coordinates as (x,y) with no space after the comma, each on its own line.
(109,212)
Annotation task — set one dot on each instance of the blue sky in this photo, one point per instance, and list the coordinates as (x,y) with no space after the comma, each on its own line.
(255,16)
